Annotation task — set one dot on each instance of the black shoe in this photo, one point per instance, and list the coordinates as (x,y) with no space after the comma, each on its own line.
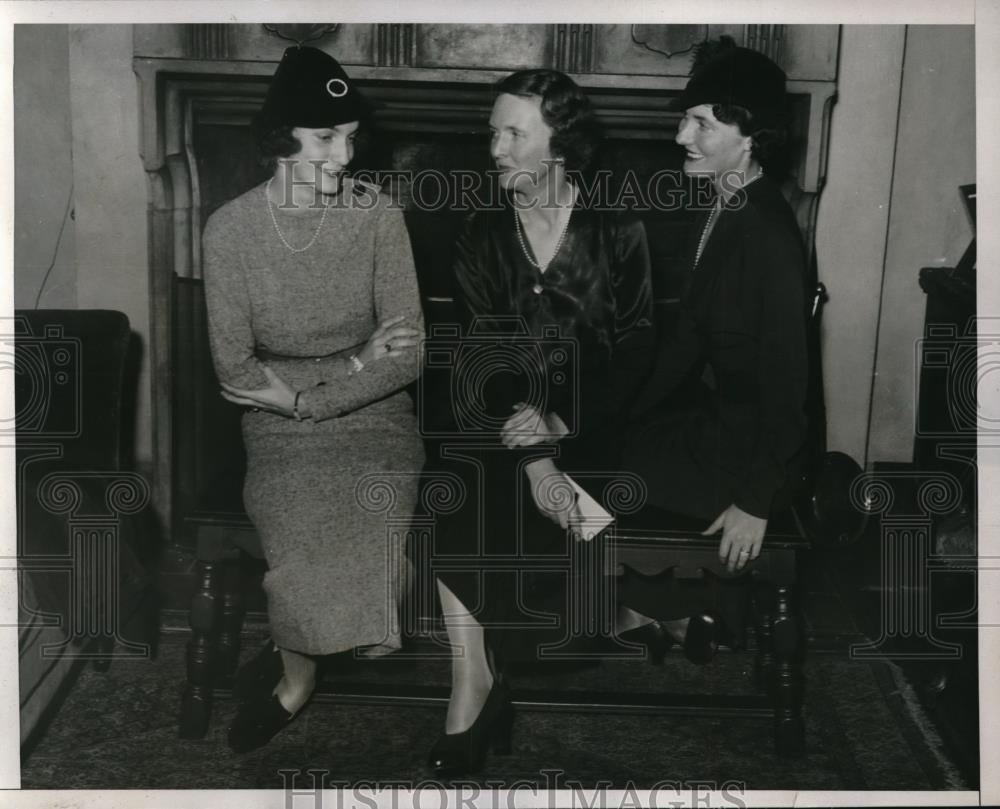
(705,633)
(258,676)
(257,722)
(655,637)
(456,754)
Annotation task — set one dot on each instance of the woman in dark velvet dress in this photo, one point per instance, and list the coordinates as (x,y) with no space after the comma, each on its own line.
(569,288)
(722,419)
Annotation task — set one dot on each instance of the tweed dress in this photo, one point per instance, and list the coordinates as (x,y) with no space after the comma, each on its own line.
(321,492)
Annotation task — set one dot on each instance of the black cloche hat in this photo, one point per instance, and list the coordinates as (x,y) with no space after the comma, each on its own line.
(725,74)
(311,89)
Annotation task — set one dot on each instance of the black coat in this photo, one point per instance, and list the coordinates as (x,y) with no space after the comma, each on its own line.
(577,341)
(592,306)
(723,417)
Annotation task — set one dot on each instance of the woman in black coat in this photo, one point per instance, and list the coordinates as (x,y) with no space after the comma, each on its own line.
(556,307)
(722,421)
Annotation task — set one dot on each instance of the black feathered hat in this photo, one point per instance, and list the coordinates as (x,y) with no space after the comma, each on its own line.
(723,73)
(311,89)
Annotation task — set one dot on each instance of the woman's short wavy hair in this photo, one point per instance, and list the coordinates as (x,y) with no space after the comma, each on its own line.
(768,139)
(566,110)
(274,142)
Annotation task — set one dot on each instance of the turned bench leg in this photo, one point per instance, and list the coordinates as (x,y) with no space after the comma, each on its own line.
(763,614)
(789,729)
(231,623)
(202,653)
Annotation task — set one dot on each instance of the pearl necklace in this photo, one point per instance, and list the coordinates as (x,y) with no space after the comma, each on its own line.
(715,212)
(274,219)
(524,246)
(704,233)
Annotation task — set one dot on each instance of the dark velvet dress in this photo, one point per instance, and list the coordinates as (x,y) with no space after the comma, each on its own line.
(722,419)
(575,340)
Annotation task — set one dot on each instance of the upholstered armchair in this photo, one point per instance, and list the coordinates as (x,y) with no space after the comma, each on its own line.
(83,529)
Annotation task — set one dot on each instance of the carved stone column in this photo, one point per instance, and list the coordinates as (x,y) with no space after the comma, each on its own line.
(209,41)
(768,39)
(395,44)
(574,51)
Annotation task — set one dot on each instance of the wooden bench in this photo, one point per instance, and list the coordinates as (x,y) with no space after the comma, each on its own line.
(652,542)
(646,540)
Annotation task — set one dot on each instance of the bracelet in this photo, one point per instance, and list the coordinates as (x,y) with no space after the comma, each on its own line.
(295,407)
(357,363)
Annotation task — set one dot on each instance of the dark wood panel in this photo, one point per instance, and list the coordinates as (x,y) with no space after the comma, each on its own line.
(227,165)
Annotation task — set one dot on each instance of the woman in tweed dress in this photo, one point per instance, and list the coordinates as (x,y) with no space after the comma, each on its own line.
(314,320)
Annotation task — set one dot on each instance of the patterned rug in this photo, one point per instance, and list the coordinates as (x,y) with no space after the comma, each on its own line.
(864,731)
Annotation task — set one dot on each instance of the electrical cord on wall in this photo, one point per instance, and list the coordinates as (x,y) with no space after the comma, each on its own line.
(55,255)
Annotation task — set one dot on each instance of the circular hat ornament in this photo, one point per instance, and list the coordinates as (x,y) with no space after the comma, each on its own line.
(337,88)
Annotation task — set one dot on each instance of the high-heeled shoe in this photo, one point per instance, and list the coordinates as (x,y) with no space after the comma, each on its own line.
(655,637)
(259,720)
(259,675)
(705,633)
(464,753)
